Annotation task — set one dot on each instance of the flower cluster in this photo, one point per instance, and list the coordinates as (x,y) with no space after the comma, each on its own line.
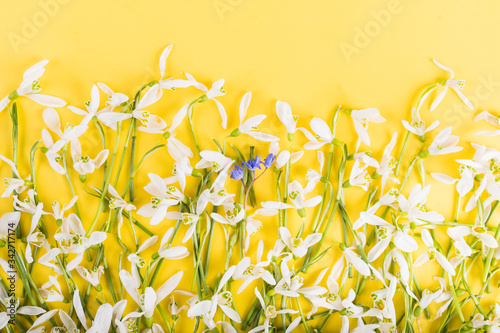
(211,205)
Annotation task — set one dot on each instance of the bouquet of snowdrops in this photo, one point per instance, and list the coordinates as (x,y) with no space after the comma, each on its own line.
(108,272)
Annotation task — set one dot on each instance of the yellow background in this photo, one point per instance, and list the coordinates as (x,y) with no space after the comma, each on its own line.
(314,55)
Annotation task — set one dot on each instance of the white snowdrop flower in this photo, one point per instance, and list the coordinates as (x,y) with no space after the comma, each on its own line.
(387,164)
(417,125)
(359,176)
(164,197)
(249,272)
(323,134)
(50,294)
(291,286)
(361,119)
(444,143)
(296,195)
(270,312)
(313,176)
(234,213)
(30,87)
(93,276)
(414,208)
(171,252)
(467,170)
(478,230)
(456,85)
(284,112)
(115,99)
(213,159)
(8,221)
(84,164)
(149,299)
(491,119)
(298,246)
(223,299)
(284,156)
(385,233)
(250,126)
(70,133)
(253,225)
(74,240)
(19,184)
(433,254)
(217,90)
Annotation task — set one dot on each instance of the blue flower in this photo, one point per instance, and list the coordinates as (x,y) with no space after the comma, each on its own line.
(269,160)
(236,173)
(253,163)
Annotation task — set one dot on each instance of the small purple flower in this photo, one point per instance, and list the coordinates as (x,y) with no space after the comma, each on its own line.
(253,163)
(236,173)
(269,160)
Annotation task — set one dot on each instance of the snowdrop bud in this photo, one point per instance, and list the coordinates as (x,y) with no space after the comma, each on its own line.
(59,222)
(413,226)
(196,173)
(148,322)
(13,95)
(95,247)
(83,178)
(155,255)
(478,178)
(235,133)
(418,311)
(423,154)
(65,300)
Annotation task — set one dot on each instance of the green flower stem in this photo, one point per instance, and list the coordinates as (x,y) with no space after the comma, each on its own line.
(103,142)
(283,316)
(164,317)
(132,160)
(490,257)
(471,293)
(124,151)
(401,153)
(455,298)
(68,178)
(325,187)
(108,278)
(106,183)
(28,280)
(191,126)
(210,237)
(132,175)
(304,321)
(285,191)
(15,145)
